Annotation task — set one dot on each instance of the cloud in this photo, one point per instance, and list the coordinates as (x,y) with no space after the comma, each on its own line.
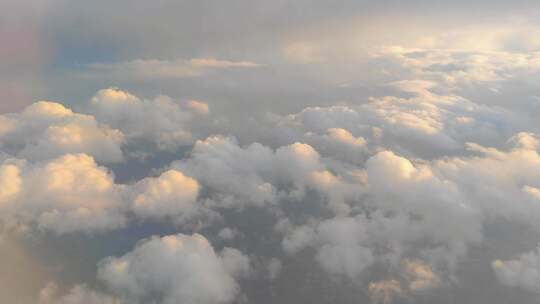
(255,175)
(68,194)
(403,157)
(170,195)
(199,107)
(384,292)
(79,294)
(234,174)
(222,64)
(426,124)
(116,120)
(71,194)
(522,272)
(144,69)
(411,209)
(274,268)
(175,269)
(45,130)
(420,275)
(461,67)
(228,234)
(161,120)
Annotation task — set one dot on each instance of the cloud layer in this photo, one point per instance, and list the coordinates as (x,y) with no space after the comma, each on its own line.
(366,152)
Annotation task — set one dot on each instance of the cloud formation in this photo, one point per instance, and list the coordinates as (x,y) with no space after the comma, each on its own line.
(522,272)
(45,130)
(175,268)
(367,152)
(142,69)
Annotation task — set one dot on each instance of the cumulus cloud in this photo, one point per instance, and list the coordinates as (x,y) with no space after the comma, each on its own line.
(406,205)
(233,172)
(67,194)
(389,193)
(117,119)
(522,272)
(413,208)
(171,194)
(257,175)
(45,130)
(161,121)
(175,269)
(426,124)
(459,67)
(72,193)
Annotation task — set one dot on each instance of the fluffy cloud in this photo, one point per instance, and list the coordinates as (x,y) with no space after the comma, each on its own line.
(426,124)
(500,183)
(165,195)
(254,175)
(172,195)
(389,193)
(523,272)
(236,174)
(45,130)
(462,67)
(67,194)
(175,269)
(409,210)
(434,211)
(72,193)
(161,121)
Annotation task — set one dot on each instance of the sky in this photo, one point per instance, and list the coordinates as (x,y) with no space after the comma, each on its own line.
(235,152)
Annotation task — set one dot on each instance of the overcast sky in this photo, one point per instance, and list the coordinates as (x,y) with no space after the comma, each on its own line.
(232,152)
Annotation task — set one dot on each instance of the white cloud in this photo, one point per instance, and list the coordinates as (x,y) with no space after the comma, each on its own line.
(72,193)
(175,269)
(461,67)
(162,120)
(256,175)
(236,174)
(67,194)
(523,272)
(45,130)
(410,209)
(172,194)
(425,124)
